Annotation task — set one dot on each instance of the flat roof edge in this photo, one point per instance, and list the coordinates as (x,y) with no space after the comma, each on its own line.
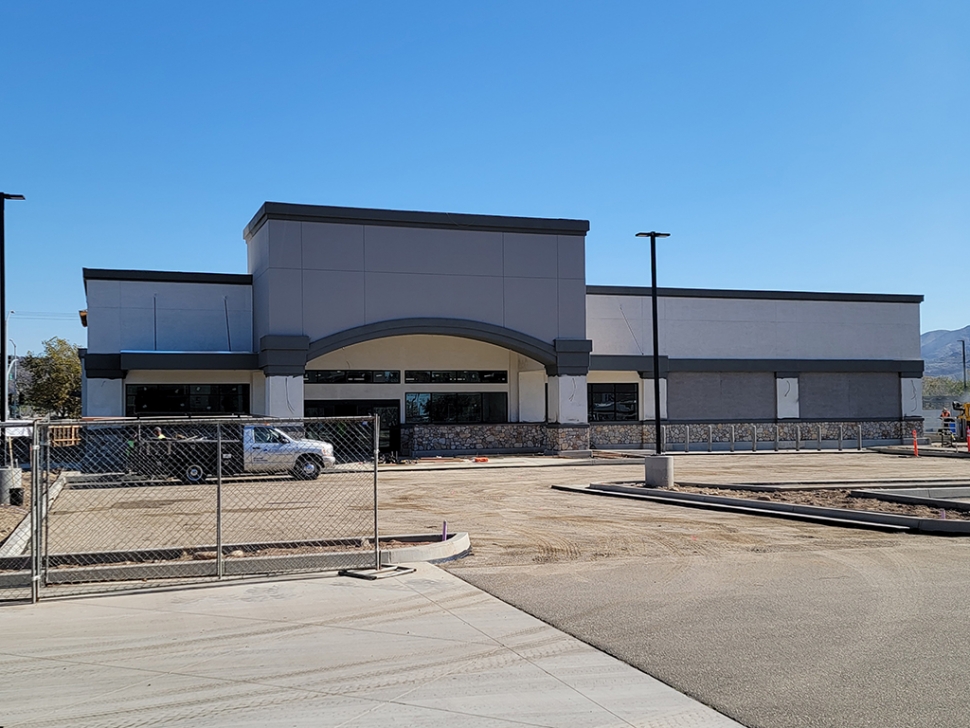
(409,218)
(765,295)
(103,274)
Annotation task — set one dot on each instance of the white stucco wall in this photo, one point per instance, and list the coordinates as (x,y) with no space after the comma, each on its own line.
(737,328)
(786,389)
(103,398)
(911,391)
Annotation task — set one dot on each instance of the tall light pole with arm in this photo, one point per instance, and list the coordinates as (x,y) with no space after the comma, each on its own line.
(656,337)
(4,196)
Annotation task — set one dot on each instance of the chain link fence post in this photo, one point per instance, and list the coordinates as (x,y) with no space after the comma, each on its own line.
(219,557)
(377,453)
(35,515)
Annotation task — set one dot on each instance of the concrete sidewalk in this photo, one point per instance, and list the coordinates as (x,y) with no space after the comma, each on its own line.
(422,649)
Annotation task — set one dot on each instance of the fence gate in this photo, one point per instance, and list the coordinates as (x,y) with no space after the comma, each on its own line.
(122,504)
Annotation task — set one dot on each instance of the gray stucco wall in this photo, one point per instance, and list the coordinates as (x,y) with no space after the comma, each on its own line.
(834,395)
(168,316)
(318,278)
(720,395)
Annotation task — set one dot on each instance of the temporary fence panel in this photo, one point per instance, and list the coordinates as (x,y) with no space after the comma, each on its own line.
(16,501)
(135,502)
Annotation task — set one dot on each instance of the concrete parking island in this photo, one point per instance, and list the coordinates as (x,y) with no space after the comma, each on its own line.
(829,516)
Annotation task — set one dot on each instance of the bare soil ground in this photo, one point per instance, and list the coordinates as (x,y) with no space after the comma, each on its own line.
(11,516)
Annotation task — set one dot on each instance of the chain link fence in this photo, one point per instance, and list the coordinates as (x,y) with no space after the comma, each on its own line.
(16,501)
(129,503)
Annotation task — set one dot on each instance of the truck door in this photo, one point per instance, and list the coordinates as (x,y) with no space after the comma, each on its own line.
(268,450)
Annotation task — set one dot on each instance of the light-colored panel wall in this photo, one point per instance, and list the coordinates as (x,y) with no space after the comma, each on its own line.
(911,391)
(415,352)
(167,316)
(532,396)
(786,396)
(731,328)
(104,398)
(601,377)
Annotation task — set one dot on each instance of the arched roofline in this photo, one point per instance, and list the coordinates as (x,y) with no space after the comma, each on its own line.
(516,341)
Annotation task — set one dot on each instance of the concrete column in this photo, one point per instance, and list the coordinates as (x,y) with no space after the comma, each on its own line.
(786,400)
(567,400)
(103,398)
(646,407)
(911,390)
(283,397)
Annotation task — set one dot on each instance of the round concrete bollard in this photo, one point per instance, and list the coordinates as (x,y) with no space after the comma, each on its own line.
(10,478)
(658,471)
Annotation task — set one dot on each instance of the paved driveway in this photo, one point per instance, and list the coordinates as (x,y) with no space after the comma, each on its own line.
(775,623)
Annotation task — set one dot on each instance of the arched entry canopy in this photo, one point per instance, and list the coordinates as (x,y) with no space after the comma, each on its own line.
(548,355)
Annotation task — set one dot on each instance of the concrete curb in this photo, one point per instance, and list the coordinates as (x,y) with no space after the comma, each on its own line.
(829,516)
(932,497)
(457,546)
(19,539)
(925,452)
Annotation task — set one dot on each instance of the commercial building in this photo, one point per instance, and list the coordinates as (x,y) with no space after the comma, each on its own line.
(475,333)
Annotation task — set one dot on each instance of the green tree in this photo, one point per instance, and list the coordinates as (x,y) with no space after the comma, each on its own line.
(55,379)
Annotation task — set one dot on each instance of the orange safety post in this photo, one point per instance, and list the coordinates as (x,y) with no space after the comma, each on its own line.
(915,446)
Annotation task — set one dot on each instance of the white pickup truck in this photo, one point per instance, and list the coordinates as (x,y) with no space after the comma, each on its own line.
(245,448)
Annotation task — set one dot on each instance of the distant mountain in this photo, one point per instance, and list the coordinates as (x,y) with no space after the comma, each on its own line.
(942,353)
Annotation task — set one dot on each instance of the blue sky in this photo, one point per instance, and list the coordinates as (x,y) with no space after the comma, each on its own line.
(804,146)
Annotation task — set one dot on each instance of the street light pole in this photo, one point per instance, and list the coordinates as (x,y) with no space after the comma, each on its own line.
(656,337)
(963,343)
(4,196)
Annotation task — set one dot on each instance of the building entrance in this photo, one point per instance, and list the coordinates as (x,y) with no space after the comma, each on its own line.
(389,410)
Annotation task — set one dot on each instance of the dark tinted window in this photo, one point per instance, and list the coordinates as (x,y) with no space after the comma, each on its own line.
(352,376)
(455,376)
(456,407)
(612,402)
(147,400)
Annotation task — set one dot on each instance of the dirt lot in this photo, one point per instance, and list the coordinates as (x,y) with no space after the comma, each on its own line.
(514,518)
(10,516)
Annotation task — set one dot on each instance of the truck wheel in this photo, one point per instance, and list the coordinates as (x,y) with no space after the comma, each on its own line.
(307,468)
(193,474)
